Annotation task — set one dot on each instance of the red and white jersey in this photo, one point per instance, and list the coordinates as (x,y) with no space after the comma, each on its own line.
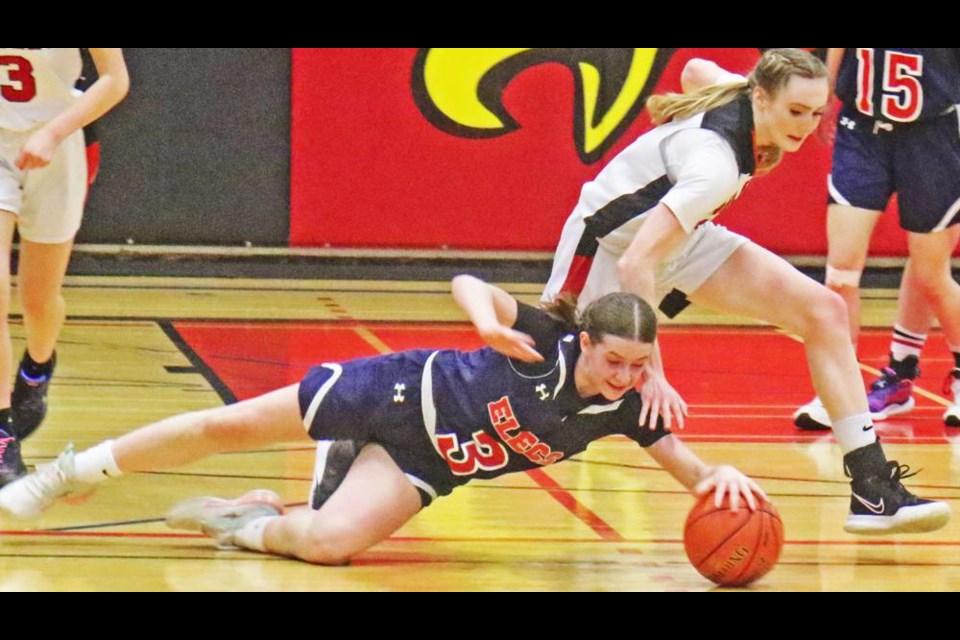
(694,166)
(36,85)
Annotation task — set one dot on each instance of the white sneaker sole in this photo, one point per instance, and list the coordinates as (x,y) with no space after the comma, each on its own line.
(917,519)
(894,410)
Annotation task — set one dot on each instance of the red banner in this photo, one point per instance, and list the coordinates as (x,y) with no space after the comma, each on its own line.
(488,148)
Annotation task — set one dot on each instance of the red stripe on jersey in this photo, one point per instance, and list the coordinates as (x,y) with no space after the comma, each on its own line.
(93,162)
(577,275)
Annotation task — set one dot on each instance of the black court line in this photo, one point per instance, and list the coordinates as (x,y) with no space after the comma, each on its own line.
(125,346)
(199,365)
(104,525)
(177,369)
(261,361)
(443,291)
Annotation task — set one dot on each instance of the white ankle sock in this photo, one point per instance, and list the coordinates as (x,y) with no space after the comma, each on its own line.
(96,464)
(854,432)
(250,535)
(906,343)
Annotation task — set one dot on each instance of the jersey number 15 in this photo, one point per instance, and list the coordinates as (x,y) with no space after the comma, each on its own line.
(902,99)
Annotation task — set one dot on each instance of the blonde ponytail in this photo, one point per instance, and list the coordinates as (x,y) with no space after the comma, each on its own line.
(772,73)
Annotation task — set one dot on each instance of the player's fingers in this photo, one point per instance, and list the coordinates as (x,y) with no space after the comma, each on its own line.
(667,417)
(644,411)
(734,498)
(654,413)
(749,497)
(755,488)
(527,353)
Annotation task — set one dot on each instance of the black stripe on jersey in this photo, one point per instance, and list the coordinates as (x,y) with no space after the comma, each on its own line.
(618,212)
(734,121)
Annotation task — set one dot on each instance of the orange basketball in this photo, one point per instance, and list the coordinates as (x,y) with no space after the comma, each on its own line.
(732,549)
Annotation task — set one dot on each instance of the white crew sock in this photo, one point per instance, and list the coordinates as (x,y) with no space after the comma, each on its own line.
(250,535)
(906,343)
(854,432)
(96,464)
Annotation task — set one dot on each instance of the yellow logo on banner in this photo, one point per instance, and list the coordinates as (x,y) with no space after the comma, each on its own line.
(460,90)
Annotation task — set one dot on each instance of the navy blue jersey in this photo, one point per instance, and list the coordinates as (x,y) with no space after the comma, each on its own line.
(448,416)
(899,85)
(493,415)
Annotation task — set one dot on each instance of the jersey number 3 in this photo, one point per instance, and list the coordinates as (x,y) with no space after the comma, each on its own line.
(902,99)
(481,452)
(17,83)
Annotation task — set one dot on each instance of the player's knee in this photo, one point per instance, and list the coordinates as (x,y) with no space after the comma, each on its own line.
(932,286)
(41,306)
(826,314)
(329,544)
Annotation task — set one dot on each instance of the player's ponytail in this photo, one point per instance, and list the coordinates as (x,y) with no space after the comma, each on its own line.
(772,72)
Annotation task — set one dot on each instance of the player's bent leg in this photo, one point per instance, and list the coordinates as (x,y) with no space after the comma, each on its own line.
(375,499)
(819,316)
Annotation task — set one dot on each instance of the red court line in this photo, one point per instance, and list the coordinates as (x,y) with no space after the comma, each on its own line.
(574,506)
(518,539)
(610,537)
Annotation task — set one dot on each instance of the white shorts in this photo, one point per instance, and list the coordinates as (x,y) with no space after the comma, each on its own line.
(48,202)
(708,247)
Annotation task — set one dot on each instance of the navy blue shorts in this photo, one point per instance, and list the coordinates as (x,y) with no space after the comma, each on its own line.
(919,161)
(378,400)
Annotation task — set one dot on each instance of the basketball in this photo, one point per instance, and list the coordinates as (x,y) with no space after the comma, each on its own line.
(732,549)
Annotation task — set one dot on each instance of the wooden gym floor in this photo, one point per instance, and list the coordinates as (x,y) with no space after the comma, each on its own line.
(139,349)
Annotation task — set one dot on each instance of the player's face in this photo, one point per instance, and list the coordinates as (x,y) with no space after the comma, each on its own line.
(610,367)
(785,120)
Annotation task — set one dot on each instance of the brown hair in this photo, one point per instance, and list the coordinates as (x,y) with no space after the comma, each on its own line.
(772,73)
(623,315)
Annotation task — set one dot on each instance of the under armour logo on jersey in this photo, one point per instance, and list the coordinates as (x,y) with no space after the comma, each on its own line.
(848,123)
(398,390)
(541,390)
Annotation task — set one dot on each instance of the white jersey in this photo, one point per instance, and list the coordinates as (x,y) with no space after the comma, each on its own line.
(694,166)
(36,85)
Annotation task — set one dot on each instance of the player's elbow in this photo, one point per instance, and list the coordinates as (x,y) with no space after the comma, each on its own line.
(696,74)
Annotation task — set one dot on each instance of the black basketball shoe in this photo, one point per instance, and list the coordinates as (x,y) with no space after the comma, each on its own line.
(880,504)
(29,399)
